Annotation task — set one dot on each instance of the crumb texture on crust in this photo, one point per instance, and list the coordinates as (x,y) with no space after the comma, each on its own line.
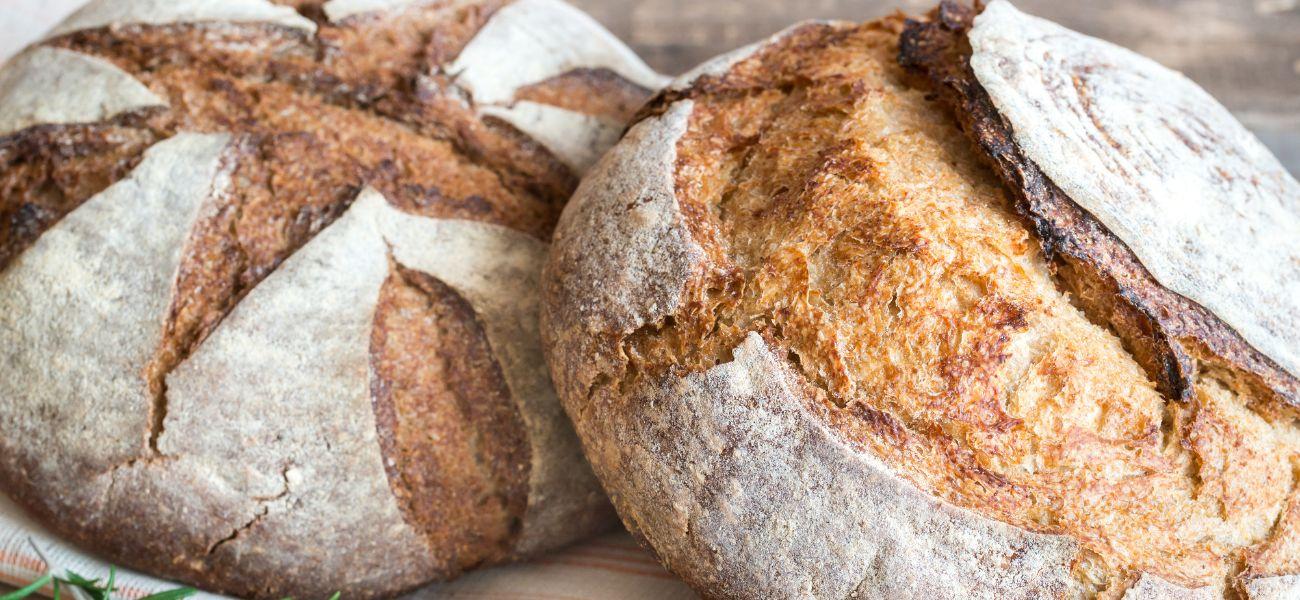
(834,208)
(1200,201)
(256,398)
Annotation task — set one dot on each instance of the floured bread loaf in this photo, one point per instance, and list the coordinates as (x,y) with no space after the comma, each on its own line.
(1017,320)
(268,278)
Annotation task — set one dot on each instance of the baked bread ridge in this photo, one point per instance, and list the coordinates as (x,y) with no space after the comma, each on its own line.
(1173,332)
(679,408)
(1179,338)
(272,270)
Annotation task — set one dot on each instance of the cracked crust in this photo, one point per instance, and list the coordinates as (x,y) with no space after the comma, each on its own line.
(795,298)
(305,207)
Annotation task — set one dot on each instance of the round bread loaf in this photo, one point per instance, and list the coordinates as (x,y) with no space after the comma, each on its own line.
(268,284)
(1015,320)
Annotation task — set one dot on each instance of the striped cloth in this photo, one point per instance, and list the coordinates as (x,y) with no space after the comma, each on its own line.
(608,566)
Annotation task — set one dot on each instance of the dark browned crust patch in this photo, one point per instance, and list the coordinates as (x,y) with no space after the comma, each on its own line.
(45,172)
(1171,336)
(455,448)
(596,92)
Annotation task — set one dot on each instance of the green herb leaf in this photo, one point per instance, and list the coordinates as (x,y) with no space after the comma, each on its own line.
(176,594)
(336,596)
(91,586)
(31,588)
(112,579)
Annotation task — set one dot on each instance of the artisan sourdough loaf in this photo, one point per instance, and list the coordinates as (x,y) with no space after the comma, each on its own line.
(268,284)
(969,306)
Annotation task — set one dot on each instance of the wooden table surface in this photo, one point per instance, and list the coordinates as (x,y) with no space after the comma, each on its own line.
(1245,52)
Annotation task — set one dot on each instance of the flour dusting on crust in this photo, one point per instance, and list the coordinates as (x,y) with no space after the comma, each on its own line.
(338,10)
(793,511)
(1204,206)
(529,41)
(53,86)
(105,13)
(575,138)
(110,287)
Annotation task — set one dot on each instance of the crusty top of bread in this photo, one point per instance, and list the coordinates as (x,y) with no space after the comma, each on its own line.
(267,276)
(1173,273)
(830,356)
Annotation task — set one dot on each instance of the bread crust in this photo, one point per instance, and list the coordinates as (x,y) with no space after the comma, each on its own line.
(1167,331)
(32,83)
(226,277)
(693,313)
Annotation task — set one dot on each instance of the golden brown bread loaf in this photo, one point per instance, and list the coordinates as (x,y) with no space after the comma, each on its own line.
(268,284)
(818,341)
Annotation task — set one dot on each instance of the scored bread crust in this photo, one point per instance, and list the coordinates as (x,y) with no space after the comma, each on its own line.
(1169,332)
(621,259)
(733,462)
(249,348)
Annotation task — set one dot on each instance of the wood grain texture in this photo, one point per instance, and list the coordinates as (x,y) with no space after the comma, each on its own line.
(1244,52)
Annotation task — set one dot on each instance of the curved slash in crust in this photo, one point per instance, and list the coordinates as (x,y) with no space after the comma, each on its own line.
(1165,330)
(1164,167)
(496,270)
(622,252)
(456,450)
(555,39)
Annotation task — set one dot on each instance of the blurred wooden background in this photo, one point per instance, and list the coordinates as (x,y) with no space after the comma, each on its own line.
(1245,52)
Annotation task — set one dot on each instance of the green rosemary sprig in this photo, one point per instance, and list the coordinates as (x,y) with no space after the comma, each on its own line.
(92,587)
(31,588)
